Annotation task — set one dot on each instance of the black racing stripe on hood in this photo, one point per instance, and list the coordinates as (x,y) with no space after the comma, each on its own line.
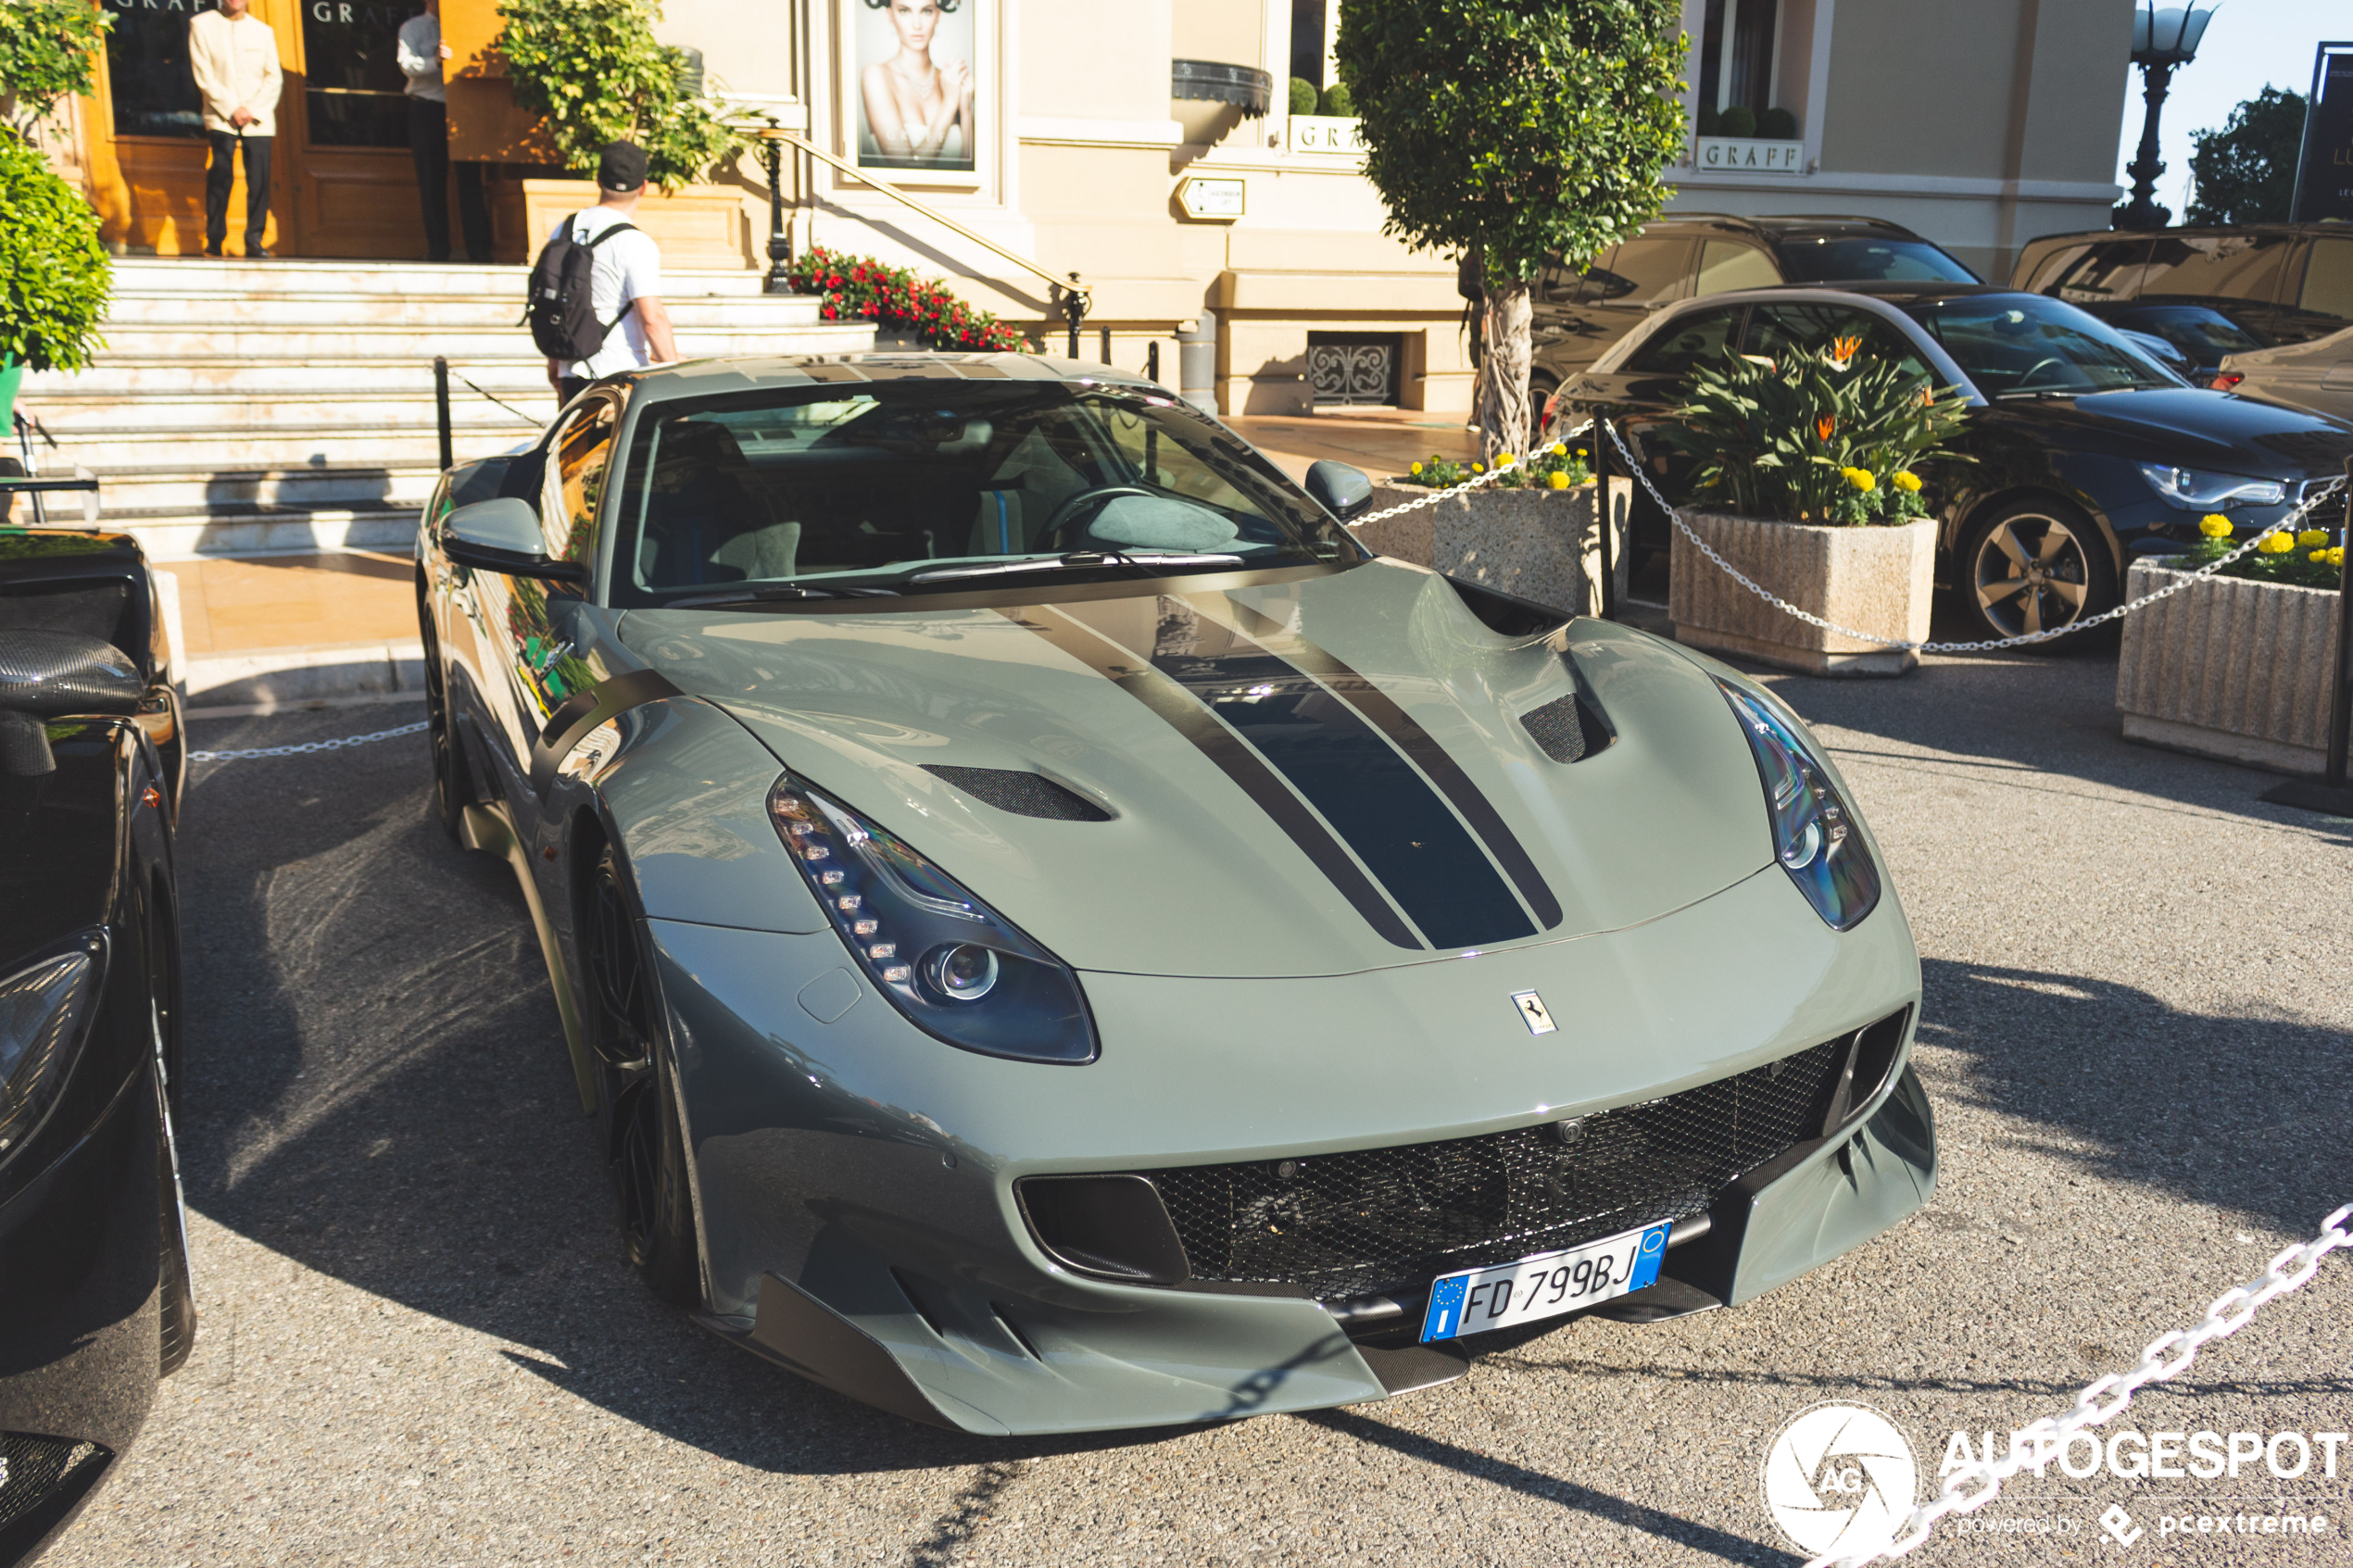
(1385,811)
(1416,743)
(1187,717)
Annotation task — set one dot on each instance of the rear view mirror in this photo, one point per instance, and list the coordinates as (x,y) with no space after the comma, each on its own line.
(1342,491)
(503,535)
(46,674)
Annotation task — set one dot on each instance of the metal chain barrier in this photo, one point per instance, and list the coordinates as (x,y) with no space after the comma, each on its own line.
(1490,477)
(2295,516)
(1974,1486)
(535,420)
(308,745)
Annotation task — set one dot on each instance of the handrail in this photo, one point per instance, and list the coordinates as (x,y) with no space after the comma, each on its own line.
(1075,297)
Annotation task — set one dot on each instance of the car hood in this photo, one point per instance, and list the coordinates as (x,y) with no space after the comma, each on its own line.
(2197,429)
(1305,772)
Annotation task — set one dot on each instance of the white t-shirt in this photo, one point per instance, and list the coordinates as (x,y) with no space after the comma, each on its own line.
(418,51)
(628,268)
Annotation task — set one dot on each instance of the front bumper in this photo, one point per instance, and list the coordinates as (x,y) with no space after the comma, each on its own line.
(854,1178)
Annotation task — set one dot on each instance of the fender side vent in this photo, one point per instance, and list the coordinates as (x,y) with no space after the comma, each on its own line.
(1557,728)
(1005,1321)
(1021,792)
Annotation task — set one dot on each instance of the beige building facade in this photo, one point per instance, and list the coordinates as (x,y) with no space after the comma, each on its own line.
(1148,147)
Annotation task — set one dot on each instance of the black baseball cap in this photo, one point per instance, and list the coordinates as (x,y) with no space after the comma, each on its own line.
(622,166)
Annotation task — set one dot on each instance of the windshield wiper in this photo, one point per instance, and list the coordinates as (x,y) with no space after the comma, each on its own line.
(1079,560)
(773,592)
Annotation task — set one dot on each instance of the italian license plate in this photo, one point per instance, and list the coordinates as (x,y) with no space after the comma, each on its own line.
(1478,1299)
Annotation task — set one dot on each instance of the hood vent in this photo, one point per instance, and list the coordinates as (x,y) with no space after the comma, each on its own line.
(1023,794)
(1557,728)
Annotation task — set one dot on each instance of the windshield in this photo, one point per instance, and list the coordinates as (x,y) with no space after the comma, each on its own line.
(928,484)
(1870,260)
(2029,346)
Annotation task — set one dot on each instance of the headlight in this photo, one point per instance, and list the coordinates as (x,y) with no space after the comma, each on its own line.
(1814,834)
(41,1008)
(955,967)
(2195,487)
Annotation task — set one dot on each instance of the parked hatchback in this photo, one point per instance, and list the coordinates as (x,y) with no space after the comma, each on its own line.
(2209,292)
(2084,452)
(1689,255)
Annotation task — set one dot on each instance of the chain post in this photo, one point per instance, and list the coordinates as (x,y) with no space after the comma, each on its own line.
(772,146)
(441,411)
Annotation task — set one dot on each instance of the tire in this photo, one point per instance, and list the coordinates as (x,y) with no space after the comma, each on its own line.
(1540,386)
(452,792)
(2035,565)
(644,1145)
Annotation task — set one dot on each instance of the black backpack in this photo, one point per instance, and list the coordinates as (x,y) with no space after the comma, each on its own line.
(559,307)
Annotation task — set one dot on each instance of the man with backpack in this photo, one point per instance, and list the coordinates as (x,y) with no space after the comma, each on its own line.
(596,291)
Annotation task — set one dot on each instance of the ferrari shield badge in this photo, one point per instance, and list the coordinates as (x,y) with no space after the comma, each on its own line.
(1532,1013)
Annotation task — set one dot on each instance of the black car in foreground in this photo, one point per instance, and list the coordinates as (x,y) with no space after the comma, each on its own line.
(94,1302)
(1579,315)
(2084,453)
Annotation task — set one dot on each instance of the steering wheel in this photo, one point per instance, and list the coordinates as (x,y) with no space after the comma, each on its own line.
(1102,494)
(2035,368)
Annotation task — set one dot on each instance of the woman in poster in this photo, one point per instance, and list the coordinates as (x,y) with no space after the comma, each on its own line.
(913,103)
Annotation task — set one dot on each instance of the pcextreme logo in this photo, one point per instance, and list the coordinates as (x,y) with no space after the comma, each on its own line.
(1839,1477)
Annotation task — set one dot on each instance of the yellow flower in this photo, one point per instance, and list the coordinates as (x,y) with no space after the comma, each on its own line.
(1560,449)
(1478,468)
(1906,481)
(2275,544)
(2313,538)
(2214,525)
(1417,468)
(1861,480)
(2330,558)
(1503,459)
(1558,480)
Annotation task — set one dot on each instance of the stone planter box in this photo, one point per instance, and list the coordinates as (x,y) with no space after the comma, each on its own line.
(1875,579)
(1543,546)
(2229,668)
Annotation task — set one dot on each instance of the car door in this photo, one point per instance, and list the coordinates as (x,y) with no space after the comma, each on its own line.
(527,622)
(1726,265)
(1643,275)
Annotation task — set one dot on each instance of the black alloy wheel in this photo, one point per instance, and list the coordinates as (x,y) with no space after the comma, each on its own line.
(451,792)
(637,1107)
(2035,565)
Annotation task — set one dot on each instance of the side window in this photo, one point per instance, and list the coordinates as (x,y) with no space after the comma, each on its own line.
(575,482)
(1726,265)
(1559,284)
(1773,329)
(2215,266)
(1593,286)
(2328,280)
(1704,334)
(1645,272)
(2087,274)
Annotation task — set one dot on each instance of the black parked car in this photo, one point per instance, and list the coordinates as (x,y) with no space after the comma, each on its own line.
(1690,256)
(2086,451)
(2209,291)
(94,1304)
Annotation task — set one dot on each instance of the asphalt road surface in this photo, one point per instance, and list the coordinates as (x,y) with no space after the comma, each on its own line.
(420,1344)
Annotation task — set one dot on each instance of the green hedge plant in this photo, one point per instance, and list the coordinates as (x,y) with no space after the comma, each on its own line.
(593,72)
(1302,95)
(1830,435)
(55,277)
(47,52)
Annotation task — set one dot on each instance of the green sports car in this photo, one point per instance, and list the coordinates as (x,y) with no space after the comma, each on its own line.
(1058,936)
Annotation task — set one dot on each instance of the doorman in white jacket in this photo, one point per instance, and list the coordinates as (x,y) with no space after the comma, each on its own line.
(234,55)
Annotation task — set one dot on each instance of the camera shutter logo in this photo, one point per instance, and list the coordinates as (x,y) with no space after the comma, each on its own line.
(1839,1477)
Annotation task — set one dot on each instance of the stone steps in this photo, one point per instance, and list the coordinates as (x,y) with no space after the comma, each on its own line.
(265,407)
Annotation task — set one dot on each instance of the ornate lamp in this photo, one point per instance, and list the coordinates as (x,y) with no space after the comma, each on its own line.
(2161,41)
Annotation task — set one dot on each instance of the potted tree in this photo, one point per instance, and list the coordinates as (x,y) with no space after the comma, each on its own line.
(2238,665)
(55,277)
(1808,464)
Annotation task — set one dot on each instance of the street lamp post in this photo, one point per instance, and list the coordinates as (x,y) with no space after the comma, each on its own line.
(2162,40)
(772,145)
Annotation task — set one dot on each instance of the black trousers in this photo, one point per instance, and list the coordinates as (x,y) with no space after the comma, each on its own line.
(428,149)
(222,173)
(570,387)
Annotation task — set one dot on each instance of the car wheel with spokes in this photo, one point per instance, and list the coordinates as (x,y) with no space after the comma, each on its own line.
(644,1144)
(2035,566)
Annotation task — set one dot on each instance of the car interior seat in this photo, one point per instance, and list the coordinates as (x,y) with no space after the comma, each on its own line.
(705,520)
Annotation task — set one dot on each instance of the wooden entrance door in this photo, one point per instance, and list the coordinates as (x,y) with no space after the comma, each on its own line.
(341,181)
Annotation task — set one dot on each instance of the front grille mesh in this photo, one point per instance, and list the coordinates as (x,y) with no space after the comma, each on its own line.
(1389,1219)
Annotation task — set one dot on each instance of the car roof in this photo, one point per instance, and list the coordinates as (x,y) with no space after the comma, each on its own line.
(2085,236)
(1785,226)
(704,378)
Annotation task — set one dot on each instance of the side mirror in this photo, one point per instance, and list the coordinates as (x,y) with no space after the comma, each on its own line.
(47,674)
(1343,491)
(503,535)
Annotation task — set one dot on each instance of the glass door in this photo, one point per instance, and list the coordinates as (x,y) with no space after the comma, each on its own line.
(356,191)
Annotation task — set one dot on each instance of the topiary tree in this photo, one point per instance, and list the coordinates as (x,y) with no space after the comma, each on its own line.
(47,50)
(1515,132)
(1337,102)
(593,72)
(1302,95)
(53,272)
(2245,171)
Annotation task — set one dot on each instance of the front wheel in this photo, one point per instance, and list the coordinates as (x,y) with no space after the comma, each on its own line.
(2035,565)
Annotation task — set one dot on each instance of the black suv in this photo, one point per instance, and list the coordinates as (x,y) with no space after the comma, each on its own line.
(1688,255)
(2209,291)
